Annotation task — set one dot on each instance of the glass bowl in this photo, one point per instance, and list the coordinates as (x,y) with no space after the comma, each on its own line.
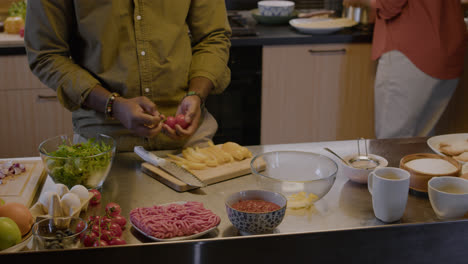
(72,159)
(292,172)
(58,233)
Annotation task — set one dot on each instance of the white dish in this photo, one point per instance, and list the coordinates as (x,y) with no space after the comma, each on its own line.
(434,142)
(276,8)
(20,245)
(174,238)
(306,25)
(448,196)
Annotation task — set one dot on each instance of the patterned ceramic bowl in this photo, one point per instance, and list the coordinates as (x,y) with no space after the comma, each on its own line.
(249,223)
(276,8)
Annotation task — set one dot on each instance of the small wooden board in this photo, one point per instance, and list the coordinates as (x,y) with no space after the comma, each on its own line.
(22,188)
(209,176)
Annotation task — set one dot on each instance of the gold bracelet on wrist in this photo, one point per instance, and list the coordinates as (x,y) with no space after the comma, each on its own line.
(110,105)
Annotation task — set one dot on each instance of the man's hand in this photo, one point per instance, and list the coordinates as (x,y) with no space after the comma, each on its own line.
(139,115)
(191,108)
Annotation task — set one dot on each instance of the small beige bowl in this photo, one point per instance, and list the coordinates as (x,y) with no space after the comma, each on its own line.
(419,179)
(359,175)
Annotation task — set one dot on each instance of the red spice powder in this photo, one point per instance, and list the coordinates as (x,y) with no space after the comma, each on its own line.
(255,206)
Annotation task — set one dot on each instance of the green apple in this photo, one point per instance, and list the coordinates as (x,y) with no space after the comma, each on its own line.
(2,202)
(10,233)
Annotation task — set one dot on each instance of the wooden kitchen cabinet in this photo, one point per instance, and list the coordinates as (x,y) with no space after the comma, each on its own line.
(317,93)
(30,112)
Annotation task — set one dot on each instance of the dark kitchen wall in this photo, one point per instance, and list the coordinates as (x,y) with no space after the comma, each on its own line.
(241,4)
(238,109)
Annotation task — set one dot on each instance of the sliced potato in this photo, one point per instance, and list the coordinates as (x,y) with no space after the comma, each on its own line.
(197,155)
(226,157)
(198,158)
(187,155)
(211,160)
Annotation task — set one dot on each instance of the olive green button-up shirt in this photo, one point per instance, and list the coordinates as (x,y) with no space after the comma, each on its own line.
(132,47)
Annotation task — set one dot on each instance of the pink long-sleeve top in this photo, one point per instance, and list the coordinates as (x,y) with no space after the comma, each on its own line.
(431,33)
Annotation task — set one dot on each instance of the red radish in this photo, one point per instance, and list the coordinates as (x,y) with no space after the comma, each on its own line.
(180,120)
(171,122)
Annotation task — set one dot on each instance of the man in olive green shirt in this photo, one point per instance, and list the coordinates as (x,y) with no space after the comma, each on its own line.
(159,58)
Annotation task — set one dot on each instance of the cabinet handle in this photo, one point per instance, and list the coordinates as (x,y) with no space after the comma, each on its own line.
(327,51)
(47,97)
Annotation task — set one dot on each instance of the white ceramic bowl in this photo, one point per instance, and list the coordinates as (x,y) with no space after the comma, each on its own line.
(448,196)
(276,8)
(359,175)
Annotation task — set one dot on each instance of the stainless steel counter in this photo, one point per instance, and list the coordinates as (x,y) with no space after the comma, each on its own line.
(347,205)
(344,215)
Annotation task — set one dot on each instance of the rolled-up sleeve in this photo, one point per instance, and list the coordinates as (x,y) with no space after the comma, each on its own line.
(49,24)
(388,9)
(211,34)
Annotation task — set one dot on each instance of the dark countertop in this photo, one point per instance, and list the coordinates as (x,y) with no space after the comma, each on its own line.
(287,35)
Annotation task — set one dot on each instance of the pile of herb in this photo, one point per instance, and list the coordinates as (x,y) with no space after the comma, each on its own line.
(76,164)
(18,9)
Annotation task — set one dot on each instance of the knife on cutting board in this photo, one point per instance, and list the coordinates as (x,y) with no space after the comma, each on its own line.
(170,167)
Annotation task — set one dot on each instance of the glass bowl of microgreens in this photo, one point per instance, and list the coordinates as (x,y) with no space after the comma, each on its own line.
(73,159)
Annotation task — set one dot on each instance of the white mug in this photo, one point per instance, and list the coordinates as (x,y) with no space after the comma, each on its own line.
(389,188)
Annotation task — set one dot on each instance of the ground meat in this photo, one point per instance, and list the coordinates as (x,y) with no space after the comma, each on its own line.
(174,220)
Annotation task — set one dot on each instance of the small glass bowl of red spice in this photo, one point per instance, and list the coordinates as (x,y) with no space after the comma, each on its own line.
(256,211)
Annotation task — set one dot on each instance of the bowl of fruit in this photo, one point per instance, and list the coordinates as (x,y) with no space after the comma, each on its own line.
(73,160)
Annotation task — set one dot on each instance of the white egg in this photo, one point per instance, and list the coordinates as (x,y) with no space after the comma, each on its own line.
(61,189)
(81,191)
(45,199)
(70,203)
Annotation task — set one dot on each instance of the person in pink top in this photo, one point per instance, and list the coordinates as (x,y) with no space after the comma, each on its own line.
(420,46)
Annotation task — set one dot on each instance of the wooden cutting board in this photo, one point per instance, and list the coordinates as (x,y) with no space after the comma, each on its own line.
(208,176)
(22,188)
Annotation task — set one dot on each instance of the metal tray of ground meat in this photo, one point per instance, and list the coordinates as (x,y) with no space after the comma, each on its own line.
(174,238)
